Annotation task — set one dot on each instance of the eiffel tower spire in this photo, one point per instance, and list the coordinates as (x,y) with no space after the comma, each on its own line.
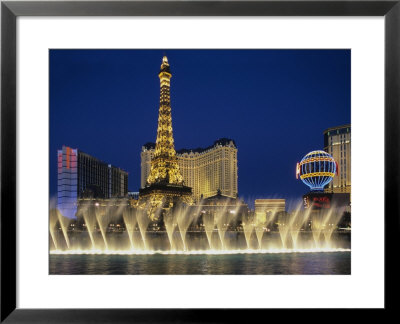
(164,165)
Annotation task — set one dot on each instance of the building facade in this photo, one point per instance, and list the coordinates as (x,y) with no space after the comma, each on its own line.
(79,172)
(206,170)
(337,142)
(269,211)
(269,205)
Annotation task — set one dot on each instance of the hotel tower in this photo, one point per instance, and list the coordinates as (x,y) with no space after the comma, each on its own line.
(206,170)
(79,171)
(337,142)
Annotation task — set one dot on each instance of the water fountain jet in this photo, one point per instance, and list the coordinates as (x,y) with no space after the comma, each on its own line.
(222,224)
(214,218)
(64,223)
(143,222)
(297,221)
(130,220)
(170,225)
(89,216)
(184,219)
(209,225)
(103,217)
(52,224)
(248,227)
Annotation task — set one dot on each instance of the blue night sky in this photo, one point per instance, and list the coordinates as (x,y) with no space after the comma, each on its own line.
(275,104)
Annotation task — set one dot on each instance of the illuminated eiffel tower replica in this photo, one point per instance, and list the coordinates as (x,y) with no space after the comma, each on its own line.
(165,187)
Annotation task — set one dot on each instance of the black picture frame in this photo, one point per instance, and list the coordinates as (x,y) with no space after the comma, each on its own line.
(10,10)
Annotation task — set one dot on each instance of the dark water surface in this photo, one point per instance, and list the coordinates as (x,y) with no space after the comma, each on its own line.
(274,263)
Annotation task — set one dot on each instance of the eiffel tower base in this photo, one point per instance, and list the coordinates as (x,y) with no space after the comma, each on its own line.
(158,198)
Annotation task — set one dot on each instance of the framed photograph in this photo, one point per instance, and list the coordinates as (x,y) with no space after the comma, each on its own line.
(188,215)
(186,154)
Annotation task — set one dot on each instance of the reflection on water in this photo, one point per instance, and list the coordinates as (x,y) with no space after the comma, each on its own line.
(279,263)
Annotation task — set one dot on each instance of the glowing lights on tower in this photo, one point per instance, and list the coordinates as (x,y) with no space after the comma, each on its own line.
(316,170)
(164,165)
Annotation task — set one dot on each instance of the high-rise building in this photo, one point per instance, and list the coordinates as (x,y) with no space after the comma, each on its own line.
(206,170)
(79,172)
(337,142)
(164,185)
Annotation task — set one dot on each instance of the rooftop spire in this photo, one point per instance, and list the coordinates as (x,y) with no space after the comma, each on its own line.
(165,65)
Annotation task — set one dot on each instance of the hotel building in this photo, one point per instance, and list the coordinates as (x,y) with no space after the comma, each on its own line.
(207,171)
(79,171)
(337,142)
